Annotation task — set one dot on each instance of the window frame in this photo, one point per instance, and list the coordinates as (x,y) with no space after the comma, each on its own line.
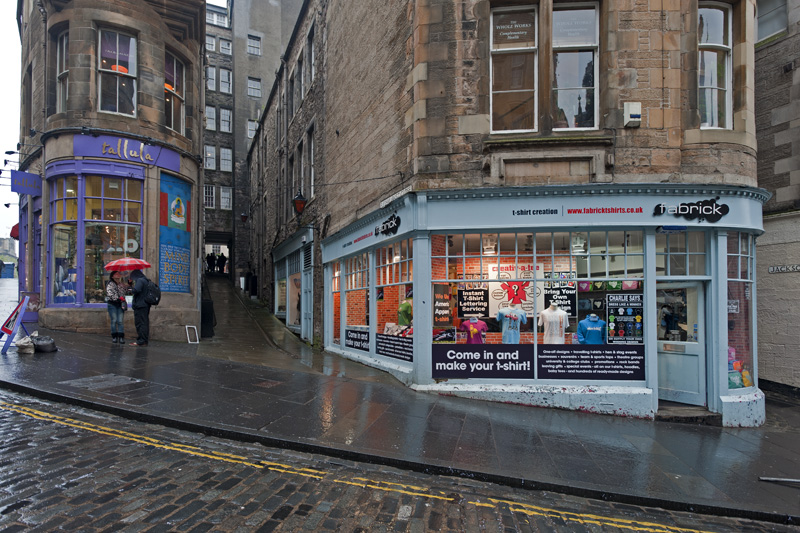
(781,8)
(210,157)
(62,71)
(117,73)
(252,126)
(254,86)
(225,84)
(226,198)
(211,78)
(225,159)
(175,93)
(212,41)
(718,48)
(225,125)
(211,118)
(225,46)
(209,196)
(254,45)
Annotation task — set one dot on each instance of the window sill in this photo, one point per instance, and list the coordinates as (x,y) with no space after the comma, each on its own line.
(497,141)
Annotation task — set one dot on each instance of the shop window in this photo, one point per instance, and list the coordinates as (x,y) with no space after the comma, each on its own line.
(499,288)
(741,257)
(294,289)
(337,301)
(714,75)
(62,72)
(681,254)
(356,302)
(108,211)
(394,269)
(280,288)
(117,73)
(515,67)
(211,118)
(173,92)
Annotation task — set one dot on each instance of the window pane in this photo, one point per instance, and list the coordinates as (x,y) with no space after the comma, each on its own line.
(71,210)
(713,110)
(112,188)
(513,111)
(133,212)
(712,70)
(514,30)
(740,335)
(112,210)
(58,189)
(94,209)
(677,265)
(59,215)
(134,190)
(634,242)
(94,186)
(677,243)
(64,265)
(772,17)
(127,95)
(574,26)
(712,26)
(513,72)
(105,242)
(697,265)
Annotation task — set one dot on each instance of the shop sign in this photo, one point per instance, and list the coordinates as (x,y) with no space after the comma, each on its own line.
(26,183)
(781,269)
(701,210)
(127,150)
(441,305)
(563,294)
(473,302)
(595,362)
(358,340)
(482,361)
(388,227)
(393,346)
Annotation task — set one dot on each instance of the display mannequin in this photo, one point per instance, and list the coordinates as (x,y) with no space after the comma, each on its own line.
(475,329)
(592,330)
(511,319)
(555,322)
(405,313)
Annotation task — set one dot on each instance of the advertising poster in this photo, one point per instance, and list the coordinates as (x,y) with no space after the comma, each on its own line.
(625,318)
(521,293)
(174,242)
(595,361)
(564,294)
(356,339)
(441,305)
(394,346)
(482,361)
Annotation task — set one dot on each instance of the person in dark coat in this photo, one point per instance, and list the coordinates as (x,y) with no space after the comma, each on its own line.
(211,261)
(221,260)
(141,309)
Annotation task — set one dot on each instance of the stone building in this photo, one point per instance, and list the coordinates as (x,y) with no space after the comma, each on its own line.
(777,106)
(110,147)
(532,178)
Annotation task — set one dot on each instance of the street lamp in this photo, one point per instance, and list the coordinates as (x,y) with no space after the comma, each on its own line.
(299,202)
(244,218)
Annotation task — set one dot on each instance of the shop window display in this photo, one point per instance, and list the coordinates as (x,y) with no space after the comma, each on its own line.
(337,301)
(106,211)
(394,269)
(356,295)
(741,255)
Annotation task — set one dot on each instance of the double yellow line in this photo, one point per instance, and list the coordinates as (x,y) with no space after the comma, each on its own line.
(399,488)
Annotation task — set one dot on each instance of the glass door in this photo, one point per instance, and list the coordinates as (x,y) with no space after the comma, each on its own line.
(681,343)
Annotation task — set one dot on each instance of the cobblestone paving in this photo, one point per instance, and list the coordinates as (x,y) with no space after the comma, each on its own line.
(71,469)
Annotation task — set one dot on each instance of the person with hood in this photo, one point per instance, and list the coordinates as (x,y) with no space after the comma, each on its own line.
(115,299)
(141,309)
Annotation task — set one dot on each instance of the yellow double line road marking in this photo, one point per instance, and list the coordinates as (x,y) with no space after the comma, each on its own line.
(399,488)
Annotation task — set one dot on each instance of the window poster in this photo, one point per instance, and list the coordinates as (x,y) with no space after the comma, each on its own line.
(522,292)
(625,318)
(174,234)
(294,311)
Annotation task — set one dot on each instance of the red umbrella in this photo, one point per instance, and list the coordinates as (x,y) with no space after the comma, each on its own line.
(14,232)
(127,263)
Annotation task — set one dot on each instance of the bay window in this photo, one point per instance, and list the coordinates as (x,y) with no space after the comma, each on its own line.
(117,73)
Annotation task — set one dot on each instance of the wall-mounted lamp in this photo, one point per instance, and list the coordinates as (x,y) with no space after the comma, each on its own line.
(244,218)
(299,202)
(11,152)
(9,204)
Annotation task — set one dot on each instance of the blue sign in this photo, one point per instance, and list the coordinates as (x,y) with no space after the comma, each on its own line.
(26,183)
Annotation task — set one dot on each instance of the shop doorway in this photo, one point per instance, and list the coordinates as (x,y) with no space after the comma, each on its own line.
(681,343)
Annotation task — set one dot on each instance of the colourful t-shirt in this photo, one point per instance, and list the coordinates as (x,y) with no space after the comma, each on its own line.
(405,313)
(511,320)
(474,330)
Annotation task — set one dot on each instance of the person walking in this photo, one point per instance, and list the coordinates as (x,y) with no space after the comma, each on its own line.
(221,260)
(211,262)
(115,300)
(141,309)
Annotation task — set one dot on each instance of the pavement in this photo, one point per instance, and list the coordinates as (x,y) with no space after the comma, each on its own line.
(255,381)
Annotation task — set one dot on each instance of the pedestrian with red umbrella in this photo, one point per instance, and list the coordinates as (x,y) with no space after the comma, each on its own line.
(115,300)
(141,309)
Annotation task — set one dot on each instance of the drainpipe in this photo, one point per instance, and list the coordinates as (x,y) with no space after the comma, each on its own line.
(42,267)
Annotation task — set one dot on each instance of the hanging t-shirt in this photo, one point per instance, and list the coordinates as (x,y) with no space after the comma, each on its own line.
(511,320)
(405,313)
(555,325)
(474,330)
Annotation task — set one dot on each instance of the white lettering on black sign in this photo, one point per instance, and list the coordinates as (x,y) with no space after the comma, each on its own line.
(356,339)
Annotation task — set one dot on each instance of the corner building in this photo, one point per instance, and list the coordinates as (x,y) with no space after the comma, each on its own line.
(547,203)
(111,126)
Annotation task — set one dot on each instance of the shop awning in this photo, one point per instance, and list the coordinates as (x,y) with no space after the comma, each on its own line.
(15,231)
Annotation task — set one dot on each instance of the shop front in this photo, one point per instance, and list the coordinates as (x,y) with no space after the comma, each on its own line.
(294,282)
(604,298)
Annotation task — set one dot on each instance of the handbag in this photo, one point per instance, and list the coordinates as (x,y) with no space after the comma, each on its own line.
(124,305)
